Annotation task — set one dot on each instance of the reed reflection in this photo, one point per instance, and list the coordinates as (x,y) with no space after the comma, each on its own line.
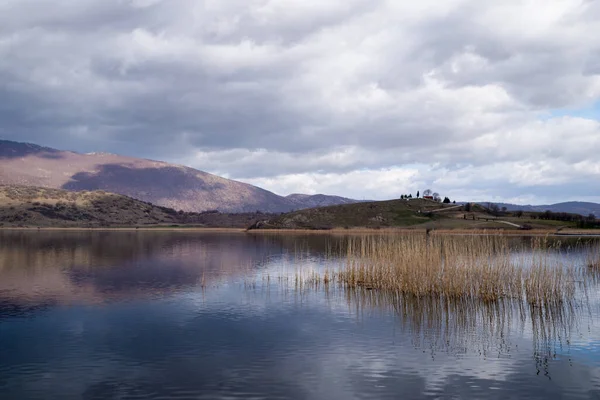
(462,327)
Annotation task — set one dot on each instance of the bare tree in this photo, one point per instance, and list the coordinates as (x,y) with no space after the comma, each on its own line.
(494,209)
(519,213)
(427,192)
(591,217)
(436,196)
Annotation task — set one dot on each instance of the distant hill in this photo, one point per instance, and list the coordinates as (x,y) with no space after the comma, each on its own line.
(160,183)
(318,200)
(413,213)
(377,214)
(27,206)
(572,207)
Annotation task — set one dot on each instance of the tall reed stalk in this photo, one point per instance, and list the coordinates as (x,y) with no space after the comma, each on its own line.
(485,268)
(593,258)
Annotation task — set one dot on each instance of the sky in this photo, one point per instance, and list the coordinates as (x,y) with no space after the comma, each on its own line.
(370,99)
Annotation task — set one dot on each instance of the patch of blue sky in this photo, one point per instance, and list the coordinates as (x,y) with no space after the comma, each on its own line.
(590,112)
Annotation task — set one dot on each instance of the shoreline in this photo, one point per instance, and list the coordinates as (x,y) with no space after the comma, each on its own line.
(124,229)
(335,231)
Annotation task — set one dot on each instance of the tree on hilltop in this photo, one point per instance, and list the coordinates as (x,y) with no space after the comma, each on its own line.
(591,217)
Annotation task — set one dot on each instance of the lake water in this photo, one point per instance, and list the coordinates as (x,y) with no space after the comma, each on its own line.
(188,315)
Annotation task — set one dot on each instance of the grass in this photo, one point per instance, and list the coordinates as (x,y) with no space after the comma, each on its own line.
(484,268)
(414,213)
(593,258)
(378,214)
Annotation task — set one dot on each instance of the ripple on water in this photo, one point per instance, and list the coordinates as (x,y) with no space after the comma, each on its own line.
(156,316)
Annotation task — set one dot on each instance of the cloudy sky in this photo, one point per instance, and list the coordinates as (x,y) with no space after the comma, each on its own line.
(477,99)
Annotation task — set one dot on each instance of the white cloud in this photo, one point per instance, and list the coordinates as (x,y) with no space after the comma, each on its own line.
(383,184)
(306,96)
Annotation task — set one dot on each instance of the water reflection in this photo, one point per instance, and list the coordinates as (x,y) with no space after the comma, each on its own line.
(187,315)
(38,268)
(461,327)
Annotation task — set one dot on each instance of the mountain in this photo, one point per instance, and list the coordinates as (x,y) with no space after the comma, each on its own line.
(318,200)
(572,207)
(160,183)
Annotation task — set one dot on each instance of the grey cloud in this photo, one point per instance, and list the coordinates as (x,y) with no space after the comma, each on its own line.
(167,79)
(543,71)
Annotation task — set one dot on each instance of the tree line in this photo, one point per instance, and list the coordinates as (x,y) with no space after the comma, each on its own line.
(428,193)
(582,221)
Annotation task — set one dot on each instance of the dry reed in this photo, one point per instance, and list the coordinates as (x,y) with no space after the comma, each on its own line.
(485,268)
(593,258)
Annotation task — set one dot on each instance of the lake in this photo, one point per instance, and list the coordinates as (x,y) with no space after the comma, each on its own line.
(192,315)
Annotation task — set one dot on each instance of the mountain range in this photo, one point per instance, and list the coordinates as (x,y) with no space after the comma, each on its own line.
(174,186)
(572,207)
(157,182)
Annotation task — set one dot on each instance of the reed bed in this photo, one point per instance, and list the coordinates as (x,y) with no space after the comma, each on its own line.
(593,258)
(485,268)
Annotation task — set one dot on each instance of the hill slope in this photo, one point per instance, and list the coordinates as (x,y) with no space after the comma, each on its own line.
(416,213)
(27,206)
(391,213)
(160,183)
(32,206)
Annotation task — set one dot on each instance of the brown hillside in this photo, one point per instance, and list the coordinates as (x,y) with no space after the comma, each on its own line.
(160,183)
(27,206)
(33,206)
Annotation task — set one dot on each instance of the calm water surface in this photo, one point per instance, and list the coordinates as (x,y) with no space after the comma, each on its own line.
(187,315)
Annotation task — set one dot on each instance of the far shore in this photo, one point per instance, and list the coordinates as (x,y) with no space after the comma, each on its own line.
(334,231)
(502,232)
(127,229)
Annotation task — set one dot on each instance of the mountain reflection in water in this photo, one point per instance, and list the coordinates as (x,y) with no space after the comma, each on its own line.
(218,315)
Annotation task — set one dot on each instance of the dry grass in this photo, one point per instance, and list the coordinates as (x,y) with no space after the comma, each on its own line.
(500,231)
(582,232)
(335,231)
(485,268)
(593,258)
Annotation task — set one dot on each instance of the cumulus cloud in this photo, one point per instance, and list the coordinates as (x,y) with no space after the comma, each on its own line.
(305,96)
